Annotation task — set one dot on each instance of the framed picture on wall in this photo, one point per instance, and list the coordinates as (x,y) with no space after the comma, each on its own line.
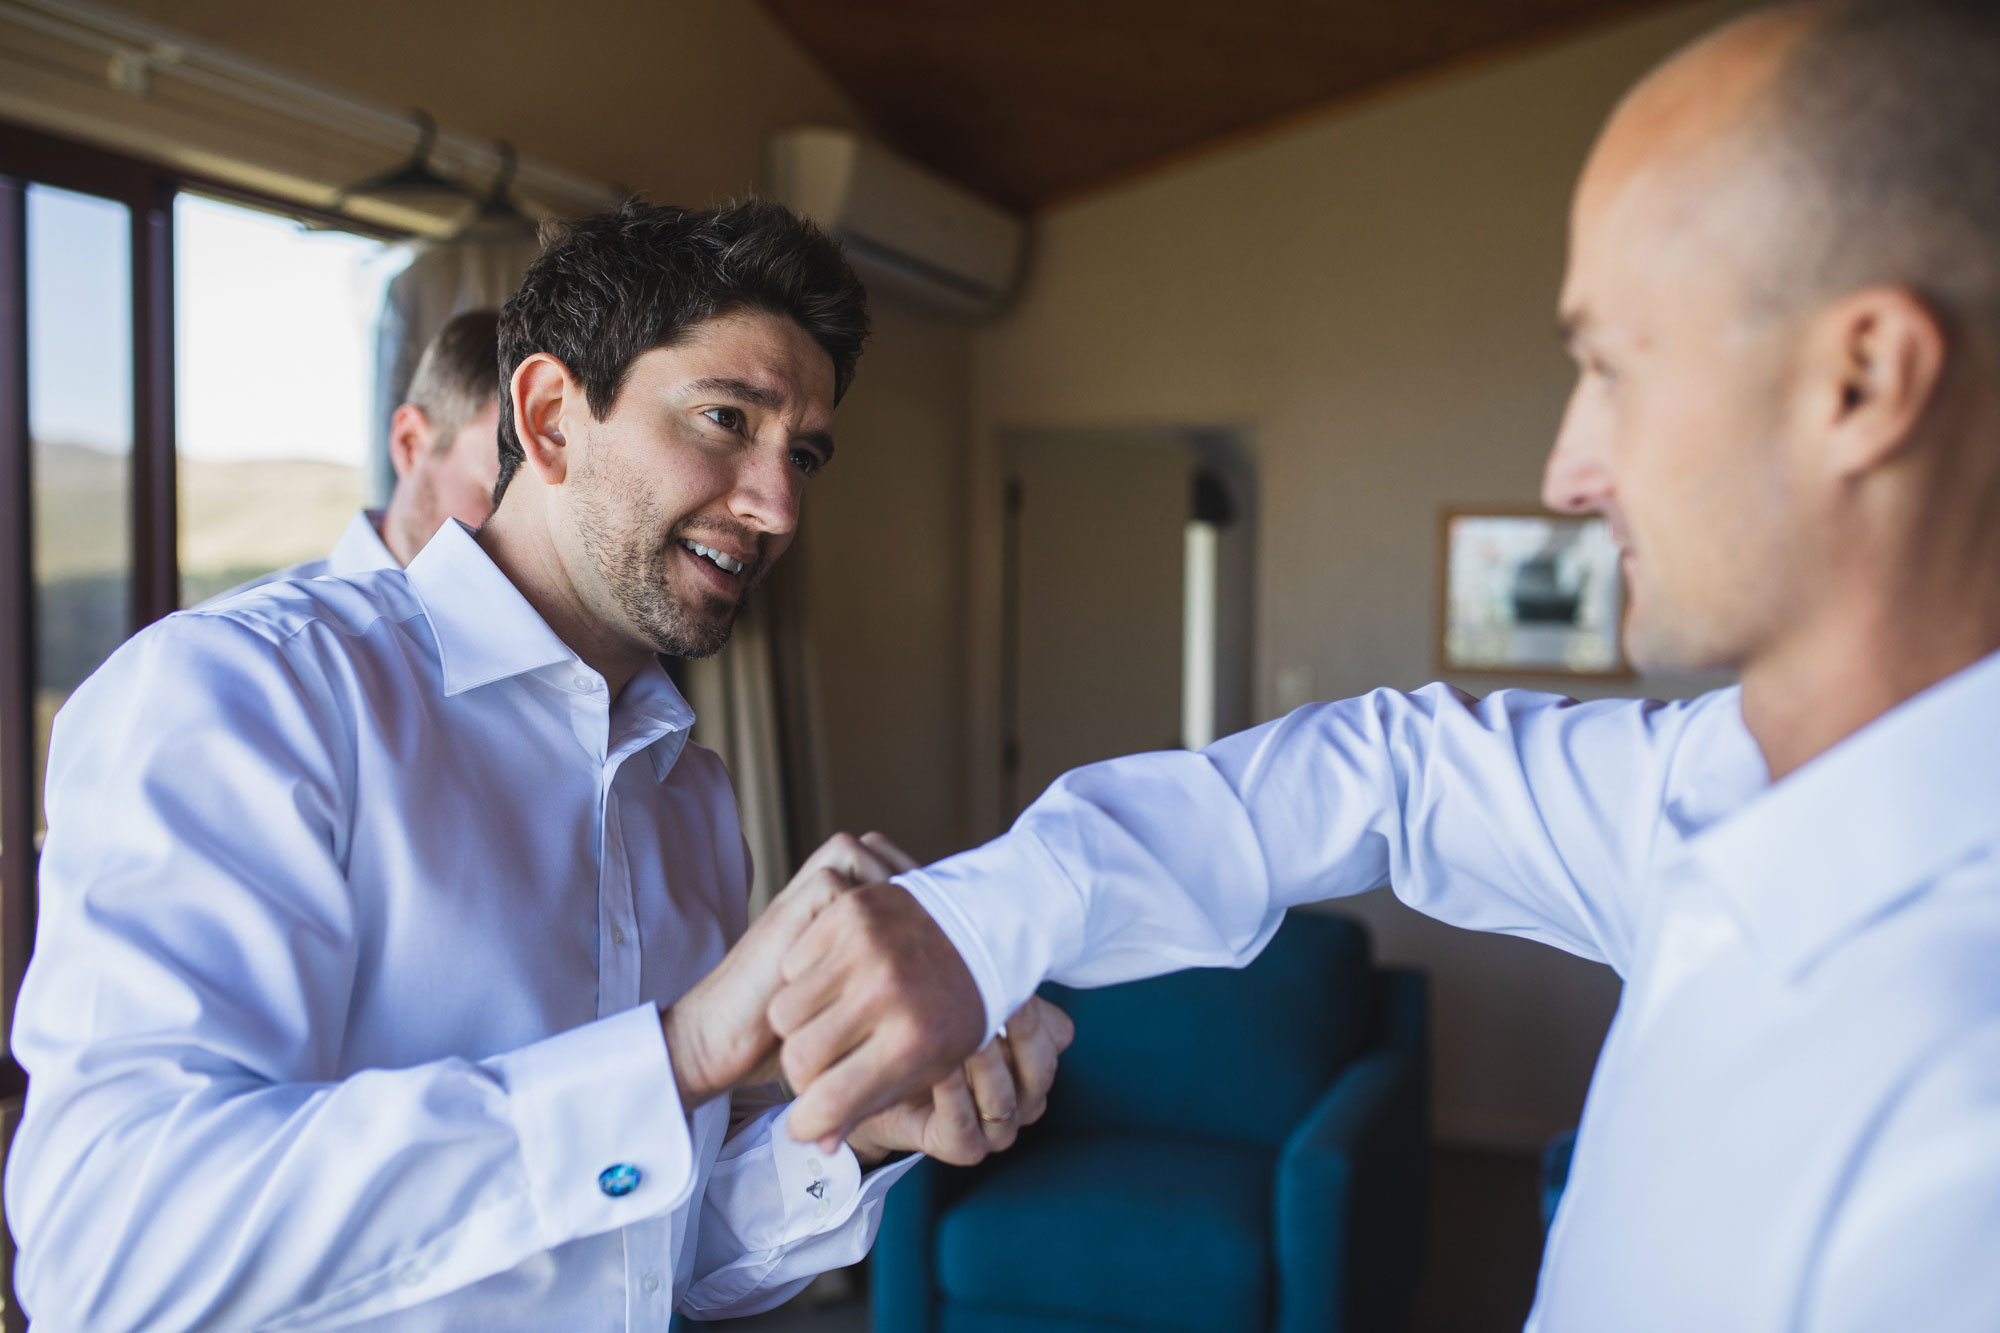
(1527,591)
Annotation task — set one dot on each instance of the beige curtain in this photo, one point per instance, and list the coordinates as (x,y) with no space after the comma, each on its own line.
(755,705)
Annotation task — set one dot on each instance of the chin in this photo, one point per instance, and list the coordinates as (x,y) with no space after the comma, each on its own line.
(694,636)
(1654,645)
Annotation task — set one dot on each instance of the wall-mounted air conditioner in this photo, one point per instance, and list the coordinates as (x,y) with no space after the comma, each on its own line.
(905,229)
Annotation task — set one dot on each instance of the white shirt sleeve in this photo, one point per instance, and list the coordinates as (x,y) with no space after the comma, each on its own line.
(186,1156)
(1523,813)
(776,1213)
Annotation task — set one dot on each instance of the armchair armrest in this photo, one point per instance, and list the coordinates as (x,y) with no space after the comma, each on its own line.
(1352,1199)
(902,1262)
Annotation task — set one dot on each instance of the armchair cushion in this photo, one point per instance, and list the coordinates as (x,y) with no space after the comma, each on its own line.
(1219,1053)
(1161,1230)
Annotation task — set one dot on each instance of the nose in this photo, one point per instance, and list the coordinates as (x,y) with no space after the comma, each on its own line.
(766,496)
(1576,479)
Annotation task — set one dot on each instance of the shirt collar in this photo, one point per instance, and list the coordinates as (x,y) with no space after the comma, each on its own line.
(361,548)
(487,631)
(1864,826)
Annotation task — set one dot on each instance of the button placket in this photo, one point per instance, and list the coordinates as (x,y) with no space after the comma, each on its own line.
(618,960)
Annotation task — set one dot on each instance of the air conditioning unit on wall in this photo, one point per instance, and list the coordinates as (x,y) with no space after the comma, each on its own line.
(905,230)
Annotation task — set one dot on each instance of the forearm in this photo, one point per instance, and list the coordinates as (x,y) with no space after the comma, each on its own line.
(167,1190)
(1521,813)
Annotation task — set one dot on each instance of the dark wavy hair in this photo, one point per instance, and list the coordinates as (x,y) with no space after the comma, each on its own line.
(608,288)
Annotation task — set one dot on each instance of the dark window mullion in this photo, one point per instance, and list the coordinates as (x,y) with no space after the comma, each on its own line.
(156,581)
(18,780)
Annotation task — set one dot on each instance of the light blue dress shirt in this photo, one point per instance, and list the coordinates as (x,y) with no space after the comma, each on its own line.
(359,901)
(1795,1120)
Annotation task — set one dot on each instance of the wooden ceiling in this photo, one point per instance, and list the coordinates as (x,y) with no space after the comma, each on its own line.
(1030,102)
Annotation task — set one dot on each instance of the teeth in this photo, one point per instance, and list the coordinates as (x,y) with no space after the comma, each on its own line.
(715,557)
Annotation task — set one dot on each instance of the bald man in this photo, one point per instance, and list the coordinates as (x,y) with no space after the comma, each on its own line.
(1783,296)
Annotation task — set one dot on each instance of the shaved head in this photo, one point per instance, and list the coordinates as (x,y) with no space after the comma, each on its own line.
(1868,132)
(1883,129)
(1884,124)
(1783,297)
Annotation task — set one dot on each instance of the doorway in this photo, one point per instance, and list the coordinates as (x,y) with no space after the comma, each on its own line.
(1127,588)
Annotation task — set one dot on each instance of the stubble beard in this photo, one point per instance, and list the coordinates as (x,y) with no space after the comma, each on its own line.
(634,560)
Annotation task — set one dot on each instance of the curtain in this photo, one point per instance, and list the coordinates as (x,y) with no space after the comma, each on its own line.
(754,706)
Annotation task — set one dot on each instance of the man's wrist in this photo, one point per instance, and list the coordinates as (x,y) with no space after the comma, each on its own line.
(686,1052)
(871,1154)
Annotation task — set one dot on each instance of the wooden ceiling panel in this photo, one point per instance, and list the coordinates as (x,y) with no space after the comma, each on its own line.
(1032,101)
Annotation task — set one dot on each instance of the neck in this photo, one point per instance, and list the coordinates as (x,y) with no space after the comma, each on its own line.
(1823,684)
(398,530)
(519,542)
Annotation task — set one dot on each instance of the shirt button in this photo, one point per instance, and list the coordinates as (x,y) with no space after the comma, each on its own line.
(618,1181)
(585,683)
(617,933)
(651,1282)
(410,1276)
(814,1169)
(819,1210)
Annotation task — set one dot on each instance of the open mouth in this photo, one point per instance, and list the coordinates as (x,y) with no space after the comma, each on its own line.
(727,564)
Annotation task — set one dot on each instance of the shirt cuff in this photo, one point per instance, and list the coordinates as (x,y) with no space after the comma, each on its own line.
(822,1190)
(603,1137)
(1003,906)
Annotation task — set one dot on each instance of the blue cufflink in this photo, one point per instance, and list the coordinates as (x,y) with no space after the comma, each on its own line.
(618,1181)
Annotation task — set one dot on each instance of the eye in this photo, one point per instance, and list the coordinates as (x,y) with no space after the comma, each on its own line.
(807,462)
(729,418)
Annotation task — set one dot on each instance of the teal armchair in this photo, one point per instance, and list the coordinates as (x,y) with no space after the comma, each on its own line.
(1223,1150)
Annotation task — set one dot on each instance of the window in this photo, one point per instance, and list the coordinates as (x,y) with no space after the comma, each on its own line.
(79,308)
(275,374)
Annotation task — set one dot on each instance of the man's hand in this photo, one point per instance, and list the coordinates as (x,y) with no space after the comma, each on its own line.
(718,1036)
(876,1007)
(980,1107)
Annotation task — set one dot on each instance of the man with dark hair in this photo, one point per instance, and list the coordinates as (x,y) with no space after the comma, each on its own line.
(1783,296)
(392,965)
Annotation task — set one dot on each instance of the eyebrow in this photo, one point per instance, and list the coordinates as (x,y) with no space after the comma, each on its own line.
(770,399)
(741,390)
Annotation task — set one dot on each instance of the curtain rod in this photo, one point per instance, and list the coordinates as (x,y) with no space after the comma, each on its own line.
(152,49)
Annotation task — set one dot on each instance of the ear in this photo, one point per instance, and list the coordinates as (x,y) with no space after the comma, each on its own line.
(409,438)
(1877,359)
(542,394)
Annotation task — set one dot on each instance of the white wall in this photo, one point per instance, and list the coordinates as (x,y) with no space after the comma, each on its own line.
(1373,296)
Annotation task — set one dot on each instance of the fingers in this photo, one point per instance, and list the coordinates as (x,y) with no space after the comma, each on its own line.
(1036,1036)
(876,1007)
(792,911)
(993,1096)
(851,858)
(955,1133)
(871,1077)
(895,857)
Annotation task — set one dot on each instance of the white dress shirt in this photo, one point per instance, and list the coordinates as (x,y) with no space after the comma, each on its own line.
(358,904)
(1795,1120)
